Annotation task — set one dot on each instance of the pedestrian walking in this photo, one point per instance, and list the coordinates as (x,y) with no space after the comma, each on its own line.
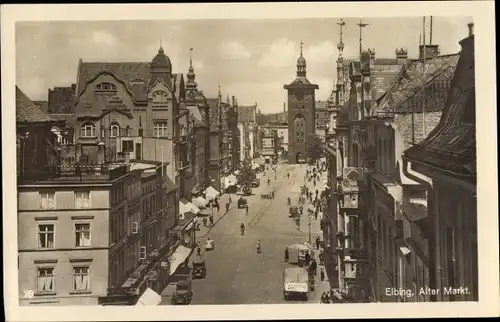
(227,207)
(308,258)
(287,254)
(218,206)
(246,210)
(313,266)
(322,272)
(211,221)
(205,221)
(317,242)
(198,249)
(316,214)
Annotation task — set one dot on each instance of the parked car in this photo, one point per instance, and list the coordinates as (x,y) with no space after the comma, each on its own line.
(183,293)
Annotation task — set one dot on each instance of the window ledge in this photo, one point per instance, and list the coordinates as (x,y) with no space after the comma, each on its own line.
(45,248)
(83,247)
(80,292)
(88,137)
(45,293)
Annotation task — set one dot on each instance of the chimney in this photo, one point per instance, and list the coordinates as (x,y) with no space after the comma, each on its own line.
(430,51)
(284,107)
(401,56)
(471,29)
(73,88)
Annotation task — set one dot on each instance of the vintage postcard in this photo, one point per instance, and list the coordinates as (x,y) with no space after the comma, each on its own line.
(172,161)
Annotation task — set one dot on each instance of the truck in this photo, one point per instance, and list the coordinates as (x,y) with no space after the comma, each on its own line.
(295,283)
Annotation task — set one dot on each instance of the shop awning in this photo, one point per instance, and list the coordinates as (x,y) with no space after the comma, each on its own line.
(230,180)
(178,257)
(259,161)
(404,250)
(187,206)
(211,193)
(199,202)
(149,297)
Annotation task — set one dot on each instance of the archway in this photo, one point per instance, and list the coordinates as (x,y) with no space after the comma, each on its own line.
(300,158)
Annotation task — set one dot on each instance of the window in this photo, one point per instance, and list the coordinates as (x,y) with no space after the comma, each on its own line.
(127,146)
(82,235)
(115,131)
(45,280)
(46,234)
(82,199)
(87,130)
(81,279)
(106,87)
(160,129)
(47,200)
(160,97)
(142,252)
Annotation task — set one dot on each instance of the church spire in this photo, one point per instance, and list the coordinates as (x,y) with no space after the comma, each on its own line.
(301,63)
(190,83)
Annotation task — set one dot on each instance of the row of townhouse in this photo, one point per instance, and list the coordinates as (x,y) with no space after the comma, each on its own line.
(402,145)
(103,190)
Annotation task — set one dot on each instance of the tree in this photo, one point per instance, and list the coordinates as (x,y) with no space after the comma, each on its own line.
(247,174)
(316,149)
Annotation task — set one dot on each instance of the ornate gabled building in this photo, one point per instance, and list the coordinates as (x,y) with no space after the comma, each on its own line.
(301,113)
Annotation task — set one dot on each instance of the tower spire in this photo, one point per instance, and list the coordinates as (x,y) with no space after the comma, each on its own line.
(340,45)
(361,26)
(191,57)
(301,44)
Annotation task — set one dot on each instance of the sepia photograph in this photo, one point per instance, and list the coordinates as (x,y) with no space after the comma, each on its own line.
(220,161)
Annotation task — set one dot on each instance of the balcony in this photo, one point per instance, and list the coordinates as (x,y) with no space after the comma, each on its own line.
(75,173)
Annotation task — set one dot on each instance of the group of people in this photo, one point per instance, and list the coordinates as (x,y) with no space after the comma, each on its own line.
(328,297)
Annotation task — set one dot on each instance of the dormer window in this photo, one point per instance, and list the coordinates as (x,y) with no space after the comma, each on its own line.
(160,97)
(115,131)
(106,87)
(87,130)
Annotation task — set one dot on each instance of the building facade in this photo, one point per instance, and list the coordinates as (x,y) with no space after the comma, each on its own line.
(450,181)
(301,113)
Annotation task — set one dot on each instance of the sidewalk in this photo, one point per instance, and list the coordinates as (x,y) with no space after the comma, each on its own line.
(218,215)
(330,280)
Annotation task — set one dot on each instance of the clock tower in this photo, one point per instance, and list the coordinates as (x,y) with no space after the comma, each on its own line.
(301,113)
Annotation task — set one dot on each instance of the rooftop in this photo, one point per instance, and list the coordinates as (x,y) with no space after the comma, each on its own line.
(411,79)
(29,112)
(451,146)
(134,75)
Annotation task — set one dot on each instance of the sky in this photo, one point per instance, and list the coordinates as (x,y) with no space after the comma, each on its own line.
(250,59)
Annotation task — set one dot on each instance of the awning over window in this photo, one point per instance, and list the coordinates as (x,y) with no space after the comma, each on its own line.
(149,297)
(211,193)
(178,257)
(199,202)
